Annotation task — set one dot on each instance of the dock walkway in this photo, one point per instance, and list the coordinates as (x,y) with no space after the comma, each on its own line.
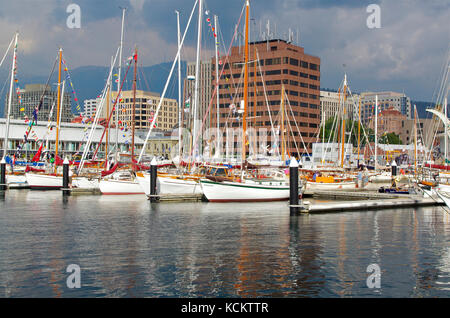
(416,201)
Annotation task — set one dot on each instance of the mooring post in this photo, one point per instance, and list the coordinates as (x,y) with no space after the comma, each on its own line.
(393,168)
(3,175)
(293,187)
(153,176)
(66,177)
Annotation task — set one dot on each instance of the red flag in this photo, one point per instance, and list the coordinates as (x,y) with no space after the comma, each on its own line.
(58,161)
(37,156)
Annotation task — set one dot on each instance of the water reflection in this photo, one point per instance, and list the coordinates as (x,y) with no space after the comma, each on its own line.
(129,247)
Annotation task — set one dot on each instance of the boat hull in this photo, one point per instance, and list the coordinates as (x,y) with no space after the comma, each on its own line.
(43,181)
(120,187)
(85,183)
(330,186)
(245,192)
(16,181)
(171,185)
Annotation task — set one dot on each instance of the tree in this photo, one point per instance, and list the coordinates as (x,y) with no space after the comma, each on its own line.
(390,138)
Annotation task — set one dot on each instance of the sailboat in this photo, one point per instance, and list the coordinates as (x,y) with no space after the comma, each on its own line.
(224,185)
(52,180)
(186,182)
(124,182)
(327,179)
(14,179)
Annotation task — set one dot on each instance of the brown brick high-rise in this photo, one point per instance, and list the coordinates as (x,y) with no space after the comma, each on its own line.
(280,63)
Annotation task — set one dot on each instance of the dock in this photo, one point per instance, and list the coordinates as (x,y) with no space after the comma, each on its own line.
(78,191)
(195,197)
(363,205)
(352,194)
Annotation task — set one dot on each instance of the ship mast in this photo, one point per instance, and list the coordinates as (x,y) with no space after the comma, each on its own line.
(376,130)
(415,140)
(359,127)
(244,117)
(118,82)
(343,121)
(58,108)
(217,82)
(133,122)
(180,105)
(283,150)
(197,80)
(445,133)
(8,115)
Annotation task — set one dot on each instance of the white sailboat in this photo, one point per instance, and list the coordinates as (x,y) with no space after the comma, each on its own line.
(222,187)
(14,179)
(170,184)
(51,181)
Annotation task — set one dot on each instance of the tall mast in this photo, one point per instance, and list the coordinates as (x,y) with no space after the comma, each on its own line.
(108,101)
(8,115)
(323,133)
(197,76)
(415,140)
(445,133)
(244,117)
(376,130)
(119,81)
(282,124)
(254,87)
(217,81)
(343,121)
(58,107)
(180,105)
(359,126)
(133,122)
(338,134)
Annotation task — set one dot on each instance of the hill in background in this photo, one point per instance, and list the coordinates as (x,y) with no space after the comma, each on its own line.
(89,81)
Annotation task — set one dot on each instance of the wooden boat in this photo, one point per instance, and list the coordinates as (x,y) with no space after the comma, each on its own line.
(41,181)
(16,180)
(246,190)
(120,183)
(170,184)
(329,183)
(221,185)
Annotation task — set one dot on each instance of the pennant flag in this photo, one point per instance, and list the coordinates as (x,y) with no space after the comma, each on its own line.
(37,156)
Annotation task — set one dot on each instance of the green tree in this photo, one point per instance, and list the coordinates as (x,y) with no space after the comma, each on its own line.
(390,138)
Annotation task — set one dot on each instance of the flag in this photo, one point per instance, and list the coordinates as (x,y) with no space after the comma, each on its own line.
(37,156)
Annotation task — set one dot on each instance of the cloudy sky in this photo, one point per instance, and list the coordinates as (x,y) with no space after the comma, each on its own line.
(406,54)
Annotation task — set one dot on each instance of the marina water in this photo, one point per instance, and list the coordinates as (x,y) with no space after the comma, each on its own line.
(127,247)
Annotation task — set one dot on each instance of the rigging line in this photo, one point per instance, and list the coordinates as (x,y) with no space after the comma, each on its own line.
(265,92)
(290,126)
(37,108)
(298,129)
(216,88)
(7,50)
(112,108)
(4,85)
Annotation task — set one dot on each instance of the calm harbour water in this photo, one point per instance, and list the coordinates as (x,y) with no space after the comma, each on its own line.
(127,247)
